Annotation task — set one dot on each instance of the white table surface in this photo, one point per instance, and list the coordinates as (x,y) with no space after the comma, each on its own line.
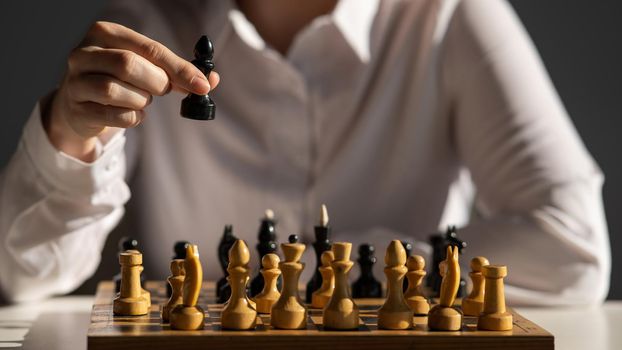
(61,323)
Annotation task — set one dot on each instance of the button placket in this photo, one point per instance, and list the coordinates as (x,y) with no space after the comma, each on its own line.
(112,164)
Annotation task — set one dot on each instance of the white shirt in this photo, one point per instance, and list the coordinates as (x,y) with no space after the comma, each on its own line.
(400,115)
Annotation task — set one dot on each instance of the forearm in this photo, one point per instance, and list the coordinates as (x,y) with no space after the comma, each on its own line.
(552,258)
(55,214)
(36,270)
(538,189)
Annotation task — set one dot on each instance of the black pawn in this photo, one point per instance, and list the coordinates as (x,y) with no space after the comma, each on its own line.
(293,238)
(200,107)
(126,243)
(223,290)
(267,244)
(321,244)
(366,286)
(180,253)
(408,247)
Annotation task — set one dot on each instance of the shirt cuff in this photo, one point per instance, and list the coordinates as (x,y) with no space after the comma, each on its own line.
(69,174)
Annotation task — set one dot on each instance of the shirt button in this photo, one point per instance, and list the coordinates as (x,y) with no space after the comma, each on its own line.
(112,164)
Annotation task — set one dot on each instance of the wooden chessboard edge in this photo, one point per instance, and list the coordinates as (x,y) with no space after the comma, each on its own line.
(102,335)
(285,342)
(105,289)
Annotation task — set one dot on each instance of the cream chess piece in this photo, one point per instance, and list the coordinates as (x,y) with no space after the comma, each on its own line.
(473,305)
(494,317)
(176,280)
(270,294)
(444,317)
(238,313)
(289,312)
(341,312)
(320,297)
(131,301)
(414,295)
(395,312)
(188,315)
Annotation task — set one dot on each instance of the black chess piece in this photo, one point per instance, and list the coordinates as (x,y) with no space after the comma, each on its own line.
(126,243)
(366,286)
(267,244)
(434,278)
(293,238)
(200,107)
(451,235)
(409,251)
(439,244)
(321,244)
(180,253)
(223,290)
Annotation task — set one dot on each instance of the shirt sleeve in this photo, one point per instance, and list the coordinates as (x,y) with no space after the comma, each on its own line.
(538,189)
(55,213)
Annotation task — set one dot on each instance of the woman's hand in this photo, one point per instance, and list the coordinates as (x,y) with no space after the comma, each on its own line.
(111,77)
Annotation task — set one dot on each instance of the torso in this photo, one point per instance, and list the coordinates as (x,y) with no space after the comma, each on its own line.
(370,139)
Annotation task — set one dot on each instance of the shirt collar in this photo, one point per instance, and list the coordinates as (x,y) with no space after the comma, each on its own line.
(353,18)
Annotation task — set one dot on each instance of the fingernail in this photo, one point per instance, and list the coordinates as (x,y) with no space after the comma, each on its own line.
(200,85)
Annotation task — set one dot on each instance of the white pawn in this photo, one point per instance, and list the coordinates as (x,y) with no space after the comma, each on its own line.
(414,295)
(320,297)
(176,280)
(473,305)
(270,293)
(341,312)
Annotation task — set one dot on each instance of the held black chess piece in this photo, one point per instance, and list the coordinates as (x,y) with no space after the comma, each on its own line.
(180,253)
(200,107)
(267,244)
(126,243)
(366,286)
(439,244)
(408,247)
(321,244)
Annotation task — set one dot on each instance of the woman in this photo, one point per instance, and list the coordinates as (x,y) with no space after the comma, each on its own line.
(401,116)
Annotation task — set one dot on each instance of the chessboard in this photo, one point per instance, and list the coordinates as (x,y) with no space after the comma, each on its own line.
(107,332)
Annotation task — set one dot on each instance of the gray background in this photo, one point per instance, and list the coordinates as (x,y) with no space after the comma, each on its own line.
(578,40)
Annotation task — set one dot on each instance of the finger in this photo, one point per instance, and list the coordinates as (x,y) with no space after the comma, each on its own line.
(106,90)
(214,80)
(181,72)
(94,116)
(122,64)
